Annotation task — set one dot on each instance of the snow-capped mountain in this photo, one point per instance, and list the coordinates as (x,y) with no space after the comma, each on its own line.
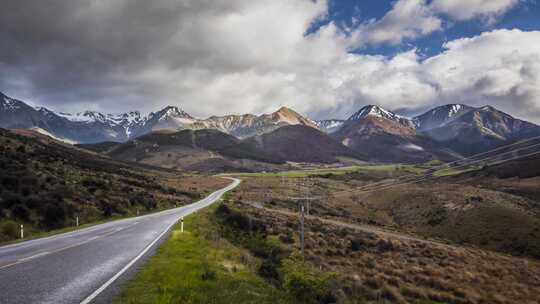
(384,136)
(475,130)
(92,127)
(440,116)
(243,126)
(330,125)
(371,131)
(378,112)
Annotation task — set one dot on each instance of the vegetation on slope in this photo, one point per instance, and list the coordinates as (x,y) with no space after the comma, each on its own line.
(376,266)
(224,258)
(45,185)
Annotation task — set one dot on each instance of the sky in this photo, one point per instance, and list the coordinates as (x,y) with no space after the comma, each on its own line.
(324,58)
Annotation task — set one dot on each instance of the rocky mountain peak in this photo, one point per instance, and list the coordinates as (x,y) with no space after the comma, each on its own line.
(376,111)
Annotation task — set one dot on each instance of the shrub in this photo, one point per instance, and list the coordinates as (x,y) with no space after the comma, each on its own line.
(9,230)
(21,211)
(304,284)
(54,215)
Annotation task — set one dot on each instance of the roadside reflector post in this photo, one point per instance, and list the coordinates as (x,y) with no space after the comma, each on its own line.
(302,229)
(137,211)
(22,232)
(182,225)
(77,221)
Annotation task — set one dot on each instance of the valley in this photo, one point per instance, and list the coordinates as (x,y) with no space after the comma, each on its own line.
(440,208)
(270,152)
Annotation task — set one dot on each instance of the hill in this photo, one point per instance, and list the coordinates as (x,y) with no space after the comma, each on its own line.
(45,184)
(302,144)
(195,150)
(210,150)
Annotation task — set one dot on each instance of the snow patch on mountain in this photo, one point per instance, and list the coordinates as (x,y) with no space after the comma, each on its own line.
(330,125)
(9,104)
(47,133)
(375,111)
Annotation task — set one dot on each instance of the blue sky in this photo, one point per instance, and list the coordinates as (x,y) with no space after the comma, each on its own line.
(525,16)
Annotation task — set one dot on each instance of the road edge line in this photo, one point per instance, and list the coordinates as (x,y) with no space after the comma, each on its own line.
(98,291)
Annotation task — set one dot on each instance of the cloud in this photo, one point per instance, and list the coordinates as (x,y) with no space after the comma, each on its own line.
(500,67)
(469,9)
(237,56)
(408,19)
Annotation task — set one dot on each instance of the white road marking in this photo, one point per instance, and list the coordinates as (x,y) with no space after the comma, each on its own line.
(42,254)
(218,193)
(118,274)
(34,256)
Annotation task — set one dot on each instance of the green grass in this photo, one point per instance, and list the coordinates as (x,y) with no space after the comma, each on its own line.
(339,171)
(453,171)
(197,266)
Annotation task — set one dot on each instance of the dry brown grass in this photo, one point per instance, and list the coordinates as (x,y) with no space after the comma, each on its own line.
(378,266)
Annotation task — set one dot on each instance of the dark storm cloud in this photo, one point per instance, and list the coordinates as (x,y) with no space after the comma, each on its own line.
(77,50)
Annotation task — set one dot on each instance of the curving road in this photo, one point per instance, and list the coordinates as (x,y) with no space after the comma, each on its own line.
(88,265)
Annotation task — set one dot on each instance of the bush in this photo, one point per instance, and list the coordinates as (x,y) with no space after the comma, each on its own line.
(54,215)
(304,284)
(9,230)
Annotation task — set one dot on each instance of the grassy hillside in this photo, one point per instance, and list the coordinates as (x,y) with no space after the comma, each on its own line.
(302,144)
(458,211)
(197,266)
(46,184)
(358,264)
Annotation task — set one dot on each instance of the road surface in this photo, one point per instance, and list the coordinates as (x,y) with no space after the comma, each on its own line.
(88,265)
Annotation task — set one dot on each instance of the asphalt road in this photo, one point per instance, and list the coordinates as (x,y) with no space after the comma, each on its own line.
(88,265)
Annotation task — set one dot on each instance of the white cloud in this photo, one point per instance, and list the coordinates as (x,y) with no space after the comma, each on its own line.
(469,9)
(408,19)
(501,68)
(237,56)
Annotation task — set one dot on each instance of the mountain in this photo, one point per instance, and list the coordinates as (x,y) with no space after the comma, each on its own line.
(85,127)
(387,137)
(372,111)
(211,150)
(330,125)
(244,126)
(298,143)
(94,127)
(439,116)
(18,115)
(474,130)
(446,132)
(195,150)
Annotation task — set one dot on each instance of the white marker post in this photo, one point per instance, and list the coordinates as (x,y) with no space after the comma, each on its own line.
(22,232)
(77,221)
(302,229)
(182,225)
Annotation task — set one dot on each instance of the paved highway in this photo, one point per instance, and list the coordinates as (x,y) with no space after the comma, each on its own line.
(88,265)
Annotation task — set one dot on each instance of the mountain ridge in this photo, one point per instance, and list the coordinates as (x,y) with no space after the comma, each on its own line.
(371,131)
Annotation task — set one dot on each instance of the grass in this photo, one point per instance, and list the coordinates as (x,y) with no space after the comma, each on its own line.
(452,171)
(339,171)
(197,266)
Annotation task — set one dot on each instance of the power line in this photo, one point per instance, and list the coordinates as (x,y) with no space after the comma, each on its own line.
(437,168)
(386,183)
(432,177)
